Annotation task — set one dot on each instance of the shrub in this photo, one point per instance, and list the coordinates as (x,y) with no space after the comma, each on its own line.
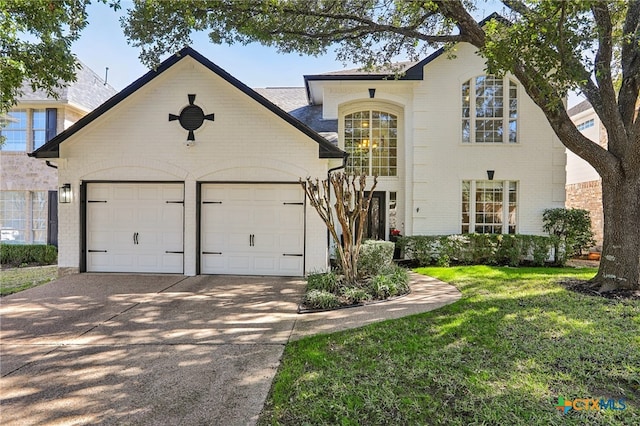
(21,254)
(320,299)
(374,256)
(353,295)
(324,281)
(488,249)
(572,228)
(394,281)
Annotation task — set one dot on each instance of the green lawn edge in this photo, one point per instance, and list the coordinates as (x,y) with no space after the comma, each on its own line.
(503,354)
(14,280)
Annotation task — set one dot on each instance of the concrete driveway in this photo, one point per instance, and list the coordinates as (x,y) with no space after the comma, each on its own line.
(161,349)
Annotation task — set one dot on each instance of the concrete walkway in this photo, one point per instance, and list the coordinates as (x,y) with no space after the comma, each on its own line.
(162,349)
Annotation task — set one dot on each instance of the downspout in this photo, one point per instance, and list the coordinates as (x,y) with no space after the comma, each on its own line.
(344,164)
(53,166)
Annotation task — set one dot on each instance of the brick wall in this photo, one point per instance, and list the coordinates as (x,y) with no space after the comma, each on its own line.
(588,196)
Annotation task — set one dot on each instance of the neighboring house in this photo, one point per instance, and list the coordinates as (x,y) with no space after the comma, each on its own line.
(584,185)
(28,187)
(189,171)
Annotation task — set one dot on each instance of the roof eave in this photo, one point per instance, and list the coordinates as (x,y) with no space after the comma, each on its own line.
(53,146)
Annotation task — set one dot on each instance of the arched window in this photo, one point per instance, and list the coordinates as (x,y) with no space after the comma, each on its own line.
(489,110)
(371,139)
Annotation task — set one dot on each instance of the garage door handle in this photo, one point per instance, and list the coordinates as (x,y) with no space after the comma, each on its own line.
(293,204)
(135,238)
(211,252)
(291,254)
(174,252)
(252,241)
(97,251)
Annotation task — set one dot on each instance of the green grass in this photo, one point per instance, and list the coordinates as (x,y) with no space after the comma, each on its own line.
(13,280)
(503,354)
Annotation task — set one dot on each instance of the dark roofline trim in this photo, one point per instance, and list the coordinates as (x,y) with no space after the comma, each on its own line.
(415,72)
(52,148)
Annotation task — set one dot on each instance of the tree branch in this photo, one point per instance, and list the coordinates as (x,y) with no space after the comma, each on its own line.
(610,115)
(630,63)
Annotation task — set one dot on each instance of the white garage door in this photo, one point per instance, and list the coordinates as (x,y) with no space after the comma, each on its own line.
(252,229)
(135,227)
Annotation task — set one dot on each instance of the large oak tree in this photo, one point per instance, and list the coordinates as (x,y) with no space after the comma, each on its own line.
(552,47)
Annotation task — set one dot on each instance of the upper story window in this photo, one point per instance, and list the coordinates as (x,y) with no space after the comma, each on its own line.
(489,110)
(371,139)
(585,124)
(28,129)
(15,131)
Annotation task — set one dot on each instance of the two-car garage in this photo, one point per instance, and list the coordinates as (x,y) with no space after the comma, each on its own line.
(243,228)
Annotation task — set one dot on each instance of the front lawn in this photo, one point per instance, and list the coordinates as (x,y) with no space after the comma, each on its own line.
(503,354)
(13,280)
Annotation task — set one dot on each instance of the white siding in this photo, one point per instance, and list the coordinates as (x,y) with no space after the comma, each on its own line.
(579,170)
(435,159)
(134,141)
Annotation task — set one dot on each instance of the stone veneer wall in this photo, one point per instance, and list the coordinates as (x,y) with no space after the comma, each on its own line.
(588,196)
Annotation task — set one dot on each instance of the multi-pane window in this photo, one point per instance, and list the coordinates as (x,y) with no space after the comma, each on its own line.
(371,139)
(489,207)
(13,216)
(15,131)
(39,127)
(26,130)
(489,110)
(24,217)
(585,124)
(39,217)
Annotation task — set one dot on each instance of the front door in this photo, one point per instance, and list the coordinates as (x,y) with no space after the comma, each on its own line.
(375,226)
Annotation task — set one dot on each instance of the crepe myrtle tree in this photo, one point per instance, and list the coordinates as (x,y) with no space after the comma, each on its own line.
(552,47)
(346,216)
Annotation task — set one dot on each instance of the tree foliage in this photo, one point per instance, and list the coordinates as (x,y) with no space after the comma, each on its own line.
(345,217)
(35,45)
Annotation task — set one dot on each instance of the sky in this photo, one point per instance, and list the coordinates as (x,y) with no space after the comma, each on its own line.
(103,44)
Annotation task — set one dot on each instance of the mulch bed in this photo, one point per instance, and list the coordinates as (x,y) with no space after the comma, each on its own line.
(585,287)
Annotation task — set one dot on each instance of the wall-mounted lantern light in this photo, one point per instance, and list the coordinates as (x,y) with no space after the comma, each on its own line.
(64,195)
(372,93)
(490,174)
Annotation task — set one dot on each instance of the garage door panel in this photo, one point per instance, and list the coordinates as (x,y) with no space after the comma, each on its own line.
(252,226)
(136,226)
(124,192)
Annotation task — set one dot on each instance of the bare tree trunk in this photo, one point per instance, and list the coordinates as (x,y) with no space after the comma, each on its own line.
(620,262)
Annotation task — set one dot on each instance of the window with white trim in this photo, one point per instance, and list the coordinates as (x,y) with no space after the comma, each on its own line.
(489,110)
(489,207)
(23,217)
(585,124)
(15,131)
(39,217)
(371,139)
(26,130)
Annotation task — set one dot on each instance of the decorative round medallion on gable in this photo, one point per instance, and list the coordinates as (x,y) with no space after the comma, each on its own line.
(191,117)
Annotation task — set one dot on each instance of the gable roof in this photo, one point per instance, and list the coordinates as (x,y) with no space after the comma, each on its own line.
(87,92)
(577,109)
(52,148)
(406,70)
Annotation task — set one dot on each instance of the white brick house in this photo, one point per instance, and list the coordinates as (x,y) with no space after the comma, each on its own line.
(148,199)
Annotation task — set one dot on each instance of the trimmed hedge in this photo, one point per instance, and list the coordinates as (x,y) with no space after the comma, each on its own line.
(28,254)
(483,249)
